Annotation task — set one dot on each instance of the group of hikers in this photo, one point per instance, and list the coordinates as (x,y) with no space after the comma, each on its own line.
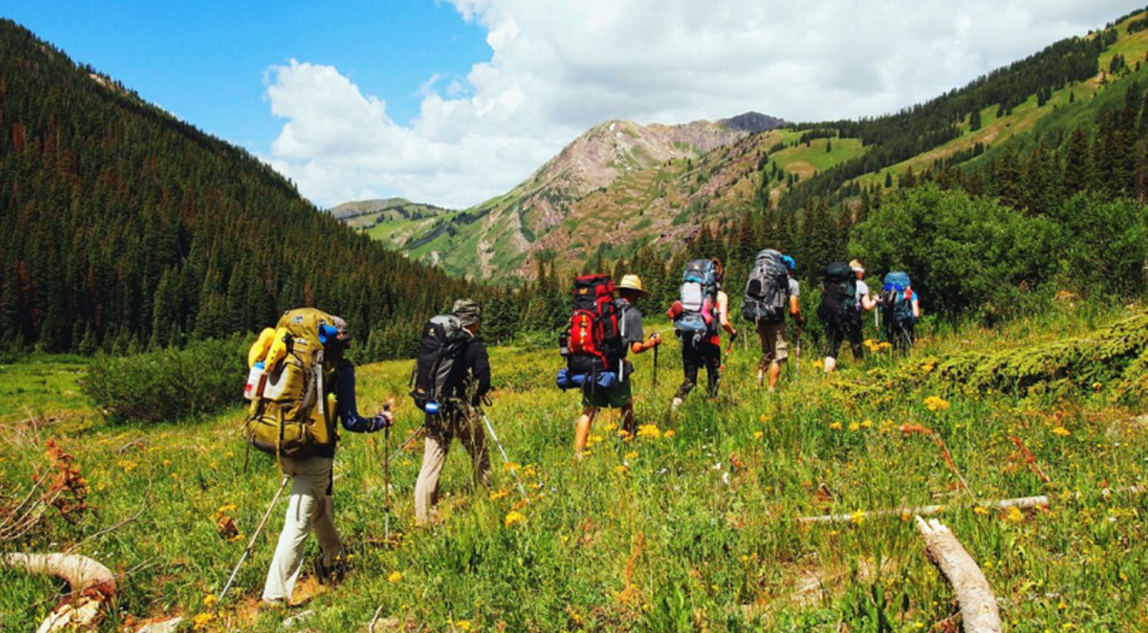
(300,383)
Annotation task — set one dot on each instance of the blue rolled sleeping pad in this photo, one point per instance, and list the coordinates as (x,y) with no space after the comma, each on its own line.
(567,380)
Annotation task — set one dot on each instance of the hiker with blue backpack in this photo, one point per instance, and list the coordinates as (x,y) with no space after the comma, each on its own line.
(771,292)
(601,332)
(699,315)
(901,308)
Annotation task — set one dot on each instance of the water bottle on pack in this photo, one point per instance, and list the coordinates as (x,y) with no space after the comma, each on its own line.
(255,381)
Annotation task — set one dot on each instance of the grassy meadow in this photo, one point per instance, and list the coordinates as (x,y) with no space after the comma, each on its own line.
(690,525)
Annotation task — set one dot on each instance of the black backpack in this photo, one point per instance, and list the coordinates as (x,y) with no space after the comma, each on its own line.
(767,291)
(838,294)
(437,369)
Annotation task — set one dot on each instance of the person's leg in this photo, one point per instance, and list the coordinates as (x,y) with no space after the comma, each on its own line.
(583,429)
(833,339)
(434,456)
(855,341)
(473,438)
(691,361)
(766,351)
(776,334)
(329,542)
(302,508)
(712,358)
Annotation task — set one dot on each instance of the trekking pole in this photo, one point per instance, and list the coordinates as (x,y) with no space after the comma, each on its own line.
(251,543)
(387,477)
(728,349)
(656,364)
(406,442)
(490,427)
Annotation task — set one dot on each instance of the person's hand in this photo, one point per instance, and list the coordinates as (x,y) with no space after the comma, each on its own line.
(800,318)
(733,335)
(383,419)
(656,338)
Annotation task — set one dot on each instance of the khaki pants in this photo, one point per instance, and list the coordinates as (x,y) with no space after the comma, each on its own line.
(465,425)
(773,346)
(309,507)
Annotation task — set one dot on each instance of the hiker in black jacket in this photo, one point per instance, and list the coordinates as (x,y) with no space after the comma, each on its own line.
(457,417)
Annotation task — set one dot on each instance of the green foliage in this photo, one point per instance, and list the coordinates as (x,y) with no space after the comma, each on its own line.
(1105,245)
(964,254)
(171,384)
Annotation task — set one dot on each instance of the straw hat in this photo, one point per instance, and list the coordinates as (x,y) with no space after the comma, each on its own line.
(856,266)
(633,282)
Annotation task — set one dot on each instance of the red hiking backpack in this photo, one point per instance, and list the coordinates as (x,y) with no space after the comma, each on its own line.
(593,340)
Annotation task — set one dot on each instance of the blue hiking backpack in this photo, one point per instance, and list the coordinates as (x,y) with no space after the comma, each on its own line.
(897,298)
(699,301)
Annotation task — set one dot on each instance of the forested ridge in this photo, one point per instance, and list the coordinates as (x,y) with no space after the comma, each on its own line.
(123,228)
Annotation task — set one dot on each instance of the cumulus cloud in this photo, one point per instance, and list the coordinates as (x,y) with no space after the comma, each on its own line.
(559,68)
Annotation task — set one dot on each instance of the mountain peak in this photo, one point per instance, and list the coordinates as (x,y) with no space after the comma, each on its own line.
(753,122)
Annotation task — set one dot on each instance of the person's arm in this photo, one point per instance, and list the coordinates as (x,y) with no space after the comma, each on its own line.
(638,347)
(916,307)
(478,361)
(675,311)
(348,410)
(723,314)
(867,302)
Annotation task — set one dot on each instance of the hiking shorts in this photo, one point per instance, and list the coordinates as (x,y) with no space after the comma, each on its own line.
(773,346)
(613,398)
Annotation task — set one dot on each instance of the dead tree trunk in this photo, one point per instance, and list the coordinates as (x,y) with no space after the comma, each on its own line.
(92,585)
(979,611)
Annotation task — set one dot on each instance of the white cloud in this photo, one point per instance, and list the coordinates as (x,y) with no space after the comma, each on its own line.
(559,68)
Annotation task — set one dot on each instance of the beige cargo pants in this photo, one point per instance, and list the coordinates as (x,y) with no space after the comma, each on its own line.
(309,507)
(466,425)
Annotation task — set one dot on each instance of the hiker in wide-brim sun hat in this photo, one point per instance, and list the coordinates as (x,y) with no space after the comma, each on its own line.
(856,266)
(633,282)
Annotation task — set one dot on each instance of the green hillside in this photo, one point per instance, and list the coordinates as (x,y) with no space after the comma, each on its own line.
(665,204)
(123,228)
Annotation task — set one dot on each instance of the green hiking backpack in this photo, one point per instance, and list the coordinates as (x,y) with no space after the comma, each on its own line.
(291,414)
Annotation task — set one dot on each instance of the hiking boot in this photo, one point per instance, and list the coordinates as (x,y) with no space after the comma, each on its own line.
(334,573)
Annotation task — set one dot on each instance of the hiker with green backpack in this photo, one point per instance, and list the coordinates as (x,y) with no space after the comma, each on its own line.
(452,376)
(300,384)
(844,296)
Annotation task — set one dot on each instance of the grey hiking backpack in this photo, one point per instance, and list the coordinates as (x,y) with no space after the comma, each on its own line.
(767,291)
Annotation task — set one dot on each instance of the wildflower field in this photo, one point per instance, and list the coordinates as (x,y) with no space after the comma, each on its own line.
(692,524)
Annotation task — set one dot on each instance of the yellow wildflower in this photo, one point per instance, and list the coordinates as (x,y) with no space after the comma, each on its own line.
(209,601)
(758,435)
(668,434)
(202,620)
(631,455)
(511,466)
(463,625)
(857,518)
(981,511)
(836,426)
(395,577)
(649,430)
(1061,431)
(513,518)
(498,494)
(1014,515)
(226,508)
(621,469)
(610,427)
(936,403)
(867,424)
(128,466)
(762,419)
(854,426)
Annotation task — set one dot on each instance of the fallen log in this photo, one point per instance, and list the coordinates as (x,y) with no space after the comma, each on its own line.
(979,611)
(92,586)
(1021,503)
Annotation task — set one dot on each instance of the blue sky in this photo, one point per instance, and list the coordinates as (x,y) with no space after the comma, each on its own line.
(206,61)
(452,102)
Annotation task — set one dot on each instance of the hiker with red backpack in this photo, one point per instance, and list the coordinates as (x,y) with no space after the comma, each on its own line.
(601,332)
(452,375)
(307,384)
(771,292)
(699,315)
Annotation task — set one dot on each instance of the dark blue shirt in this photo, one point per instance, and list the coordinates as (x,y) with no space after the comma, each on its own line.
(348,411)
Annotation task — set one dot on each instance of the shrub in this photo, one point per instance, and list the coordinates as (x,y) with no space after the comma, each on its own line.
(170,384)
(965,255)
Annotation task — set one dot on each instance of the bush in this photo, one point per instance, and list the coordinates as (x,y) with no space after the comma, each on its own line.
(170,384)
(1105,245)
(965,255)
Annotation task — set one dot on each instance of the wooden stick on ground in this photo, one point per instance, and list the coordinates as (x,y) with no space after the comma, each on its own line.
(979,611)
(92,585)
